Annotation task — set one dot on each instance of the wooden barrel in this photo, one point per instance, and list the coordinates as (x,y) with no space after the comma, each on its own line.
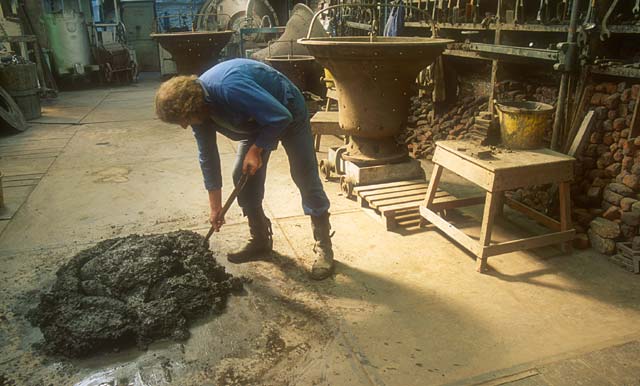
(21,82)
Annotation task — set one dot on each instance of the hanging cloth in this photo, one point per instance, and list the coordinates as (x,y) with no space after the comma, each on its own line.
(395,22)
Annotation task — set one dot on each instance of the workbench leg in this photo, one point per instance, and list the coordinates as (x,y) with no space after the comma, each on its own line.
(431,191)
(565,213)
(433,186)
(490,209)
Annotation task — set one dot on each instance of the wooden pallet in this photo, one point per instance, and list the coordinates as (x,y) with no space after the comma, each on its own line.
(627,257)
(397,203)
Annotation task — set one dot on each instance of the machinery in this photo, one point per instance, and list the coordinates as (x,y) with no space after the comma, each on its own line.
(373,76)
(68,37)
(291,58)
(138,17)
(194,52)
(117,61)
(242,16)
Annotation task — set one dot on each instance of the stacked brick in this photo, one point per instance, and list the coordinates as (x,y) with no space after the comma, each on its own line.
(424,127)
(607,184)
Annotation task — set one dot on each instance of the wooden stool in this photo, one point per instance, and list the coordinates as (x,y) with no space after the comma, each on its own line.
(503,171)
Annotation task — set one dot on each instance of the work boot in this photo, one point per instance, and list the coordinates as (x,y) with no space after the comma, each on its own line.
(261,241)
(323,265)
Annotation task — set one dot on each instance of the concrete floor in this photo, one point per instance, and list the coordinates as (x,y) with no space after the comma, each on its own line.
(404,308)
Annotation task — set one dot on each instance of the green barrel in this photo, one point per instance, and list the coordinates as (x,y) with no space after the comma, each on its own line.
(21,82)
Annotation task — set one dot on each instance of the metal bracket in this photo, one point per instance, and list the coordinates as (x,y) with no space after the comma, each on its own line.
(564,56)
(567,54)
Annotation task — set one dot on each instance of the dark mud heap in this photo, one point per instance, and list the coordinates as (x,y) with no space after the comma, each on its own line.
(131,290)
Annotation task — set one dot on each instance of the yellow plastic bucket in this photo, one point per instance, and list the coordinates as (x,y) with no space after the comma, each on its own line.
(522,124)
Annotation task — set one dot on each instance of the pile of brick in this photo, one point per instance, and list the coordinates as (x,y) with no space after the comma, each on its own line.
(424,127)
(607,180)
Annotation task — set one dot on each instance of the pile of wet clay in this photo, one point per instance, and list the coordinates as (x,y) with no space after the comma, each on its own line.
(131,290)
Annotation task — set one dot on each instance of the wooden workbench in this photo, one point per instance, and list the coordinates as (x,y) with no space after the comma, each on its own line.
(502,171)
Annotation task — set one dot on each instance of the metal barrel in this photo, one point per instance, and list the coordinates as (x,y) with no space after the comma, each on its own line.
(21,82)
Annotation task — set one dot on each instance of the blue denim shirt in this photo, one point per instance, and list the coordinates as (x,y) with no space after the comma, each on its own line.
(247,100)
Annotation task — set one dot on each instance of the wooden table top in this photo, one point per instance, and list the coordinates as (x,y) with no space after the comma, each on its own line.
(504,169)
(502,159)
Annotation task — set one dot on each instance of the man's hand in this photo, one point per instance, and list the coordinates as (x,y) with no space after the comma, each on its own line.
(252,161)
(215,204)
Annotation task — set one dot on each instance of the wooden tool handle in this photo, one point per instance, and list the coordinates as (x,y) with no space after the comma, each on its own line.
(234,194)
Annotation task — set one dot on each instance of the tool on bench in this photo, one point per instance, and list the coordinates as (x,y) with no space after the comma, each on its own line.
(539,16)
(604,29)
(234,194)
(546,11)
(519,12)
(440,11)
(561,10)
(447,12)
(456,13)
(589,22)
(433,10)
(476,7)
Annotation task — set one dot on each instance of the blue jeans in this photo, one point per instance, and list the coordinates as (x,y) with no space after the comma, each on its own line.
(303,165)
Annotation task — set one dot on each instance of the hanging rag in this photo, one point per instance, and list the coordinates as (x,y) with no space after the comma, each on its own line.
(395,22)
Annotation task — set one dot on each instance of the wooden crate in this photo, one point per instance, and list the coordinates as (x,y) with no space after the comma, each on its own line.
(627,257)
(396,202)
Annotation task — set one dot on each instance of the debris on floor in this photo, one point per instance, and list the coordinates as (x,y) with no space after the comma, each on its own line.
(132,290)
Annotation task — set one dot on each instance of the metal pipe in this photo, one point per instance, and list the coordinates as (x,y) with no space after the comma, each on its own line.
(564,81)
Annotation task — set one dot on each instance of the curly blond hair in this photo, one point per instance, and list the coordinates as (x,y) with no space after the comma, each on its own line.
(179,99)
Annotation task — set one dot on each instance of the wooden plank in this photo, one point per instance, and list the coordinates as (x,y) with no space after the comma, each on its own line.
(512,379)
(416,198)
(465,169)
(510,179)
(332,93)
(364,188)
(326,122)
(583,133)
(450,230)
(457,203)
(486,229)
(436,173)
(390,210)
(412,192)
(619,364)
(574,371)
(635,120)
(410,216)
(585,97)
(398,189)
(533,214)
(515,159)
(565,212)
(529,243)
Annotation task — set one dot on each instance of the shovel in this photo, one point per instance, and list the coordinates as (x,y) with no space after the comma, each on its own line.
(234,194)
